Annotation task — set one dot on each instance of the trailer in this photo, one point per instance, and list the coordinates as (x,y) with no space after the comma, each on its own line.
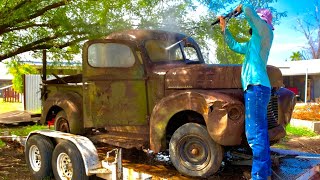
(68,156)
(46,157)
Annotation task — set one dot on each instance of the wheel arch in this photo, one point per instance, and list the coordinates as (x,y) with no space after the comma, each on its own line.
(165,113)
(71,103)
(86,148)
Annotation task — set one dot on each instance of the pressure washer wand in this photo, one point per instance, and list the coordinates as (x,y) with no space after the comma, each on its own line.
(229,15)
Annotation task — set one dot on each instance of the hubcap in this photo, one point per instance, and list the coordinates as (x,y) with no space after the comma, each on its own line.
(35,158)
(64,168)
(194,152)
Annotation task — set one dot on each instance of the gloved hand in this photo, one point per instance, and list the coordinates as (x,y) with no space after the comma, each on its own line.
(239,8)
(222,23)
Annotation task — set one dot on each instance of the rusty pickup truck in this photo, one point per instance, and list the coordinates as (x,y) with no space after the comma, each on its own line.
(151,89)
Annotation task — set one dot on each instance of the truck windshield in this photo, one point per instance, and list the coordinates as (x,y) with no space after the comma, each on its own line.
(169,51)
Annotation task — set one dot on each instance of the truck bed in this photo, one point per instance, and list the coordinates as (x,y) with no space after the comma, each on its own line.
(77,78)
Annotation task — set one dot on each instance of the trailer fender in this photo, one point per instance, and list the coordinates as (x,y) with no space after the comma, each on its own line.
(86,148)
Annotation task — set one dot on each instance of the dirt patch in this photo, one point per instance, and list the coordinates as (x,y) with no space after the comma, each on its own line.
(13,165)
(305,144)
(12,162)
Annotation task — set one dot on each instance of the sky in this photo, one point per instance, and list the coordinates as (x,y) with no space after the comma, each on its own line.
(286,38)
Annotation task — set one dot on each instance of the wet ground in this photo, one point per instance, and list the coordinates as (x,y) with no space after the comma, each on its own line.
(12,165)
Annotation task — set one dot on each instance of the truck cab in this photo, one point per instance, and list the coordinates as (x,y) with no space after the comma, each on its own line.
(151,89)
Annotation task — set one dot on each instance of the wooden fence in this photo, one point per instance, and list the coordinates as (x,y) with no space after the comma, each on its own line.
(9,95)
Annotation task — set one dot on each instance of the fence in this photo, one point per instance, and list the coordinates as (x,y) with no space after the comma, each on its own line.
(9,95)
(32,93)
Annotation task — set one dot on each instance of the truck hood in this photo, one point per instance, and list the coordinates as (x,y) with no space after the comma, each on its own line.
(205,76)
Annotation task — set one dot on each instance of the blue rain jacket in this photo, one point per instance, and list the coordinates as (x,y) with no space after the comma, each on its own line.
(256,50)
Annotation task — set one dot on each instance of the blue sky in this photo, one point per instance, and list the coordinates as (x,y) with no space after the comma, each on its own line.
(286,38)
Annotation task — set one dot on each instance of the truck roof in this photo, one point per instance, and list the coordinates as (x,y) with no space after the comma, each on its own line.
(141,35)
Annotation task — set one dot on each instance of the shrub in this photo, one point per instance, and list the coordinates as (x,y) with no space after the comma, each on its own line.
(307,112)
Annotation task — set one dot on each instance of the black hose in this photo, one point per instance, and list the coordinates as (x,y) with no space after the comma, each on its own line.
(229,15)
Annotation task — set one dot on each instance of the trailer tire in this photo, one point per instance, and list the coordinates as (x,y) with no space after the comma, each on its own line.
(61,122)
(38,156)
(193,152)
(67,162)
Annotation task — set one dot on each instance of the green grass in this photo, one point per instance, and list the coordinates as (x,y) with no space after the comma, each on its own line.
(298,131)
(22,131)
(7,107)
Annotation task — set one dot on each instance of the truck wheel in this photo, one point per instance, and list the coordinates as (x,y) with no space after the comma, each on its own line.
(193,152)
(67,163)
(61,123)
(38,156)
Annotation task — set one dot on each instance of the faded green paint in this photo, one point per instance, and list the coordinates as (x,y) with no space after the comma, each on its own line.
(141,99)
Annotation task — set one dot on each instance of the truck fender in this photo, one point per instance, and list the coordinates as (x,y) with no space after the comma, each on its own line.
(166,108)
(71,103)
(86,148)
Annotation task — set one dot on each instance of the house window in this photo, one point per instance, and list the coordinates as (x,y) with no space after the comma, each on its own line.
(110,55)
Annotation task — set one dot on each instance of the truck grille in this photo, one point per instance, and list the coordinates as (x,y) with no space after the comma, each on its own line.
(273,112)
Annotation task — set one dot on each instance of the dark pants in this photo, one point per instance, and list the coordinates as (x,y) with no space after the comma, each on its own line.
(256,126)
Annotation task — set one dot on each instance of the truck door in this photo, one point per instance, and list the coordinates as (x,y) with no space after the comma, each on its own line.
(114,84)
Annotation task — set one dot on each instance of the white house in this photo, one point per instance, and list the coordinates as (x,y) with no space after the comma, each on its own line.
(303,76)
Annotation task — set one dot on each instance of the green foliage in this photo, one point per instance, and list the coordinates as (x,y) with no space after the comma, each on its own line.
(2,144)
(299,131)
(22,131)
(296,56)
(61,25)
(18,70)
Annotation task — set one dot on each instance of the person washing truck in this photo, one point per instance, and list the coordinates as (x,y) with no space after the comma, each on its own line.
(255,83)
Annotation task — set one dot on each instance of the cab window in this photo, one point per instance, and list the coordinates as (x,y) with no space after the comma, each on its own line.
(110,55)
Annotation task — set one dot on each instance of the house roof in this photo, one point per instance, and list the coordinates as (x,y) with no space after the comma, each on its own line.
(293,68)
(5,87)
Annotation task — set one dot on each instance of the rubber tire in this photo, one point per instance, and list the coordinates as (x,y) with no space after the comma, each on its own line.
(198,132)
(61,116)
(45,147)
(72,151)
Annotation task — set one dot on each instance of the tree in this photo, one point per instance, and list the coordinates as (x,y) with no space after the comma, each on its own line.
(297,56)
(33,25)
(310,27)
(59,25)
(238,28)
(18,70)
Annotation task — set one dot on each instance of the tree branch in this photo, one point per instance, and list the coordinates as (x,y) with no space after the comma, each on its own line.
(41,44)
(36,14)
(26,27)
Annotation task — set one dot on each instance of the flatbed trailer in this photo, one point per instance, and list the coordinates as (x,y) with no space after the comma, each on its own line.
(288,164)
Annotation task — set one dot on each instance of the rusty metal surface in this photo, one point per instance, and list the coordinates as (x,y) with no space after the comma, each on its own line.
(287,101)
(69,79)
(71,103)
(149,94)
(204,76)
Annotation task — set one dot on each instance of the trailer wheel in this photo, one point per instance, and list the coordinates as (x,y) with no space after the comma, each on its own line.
(61,122)
(67,163)
(193,152)
(38,156)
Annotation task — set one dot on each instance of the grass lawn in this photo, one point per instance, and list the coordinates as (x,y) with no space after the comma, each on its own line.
(7,107)
(299,131)
(21,131)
